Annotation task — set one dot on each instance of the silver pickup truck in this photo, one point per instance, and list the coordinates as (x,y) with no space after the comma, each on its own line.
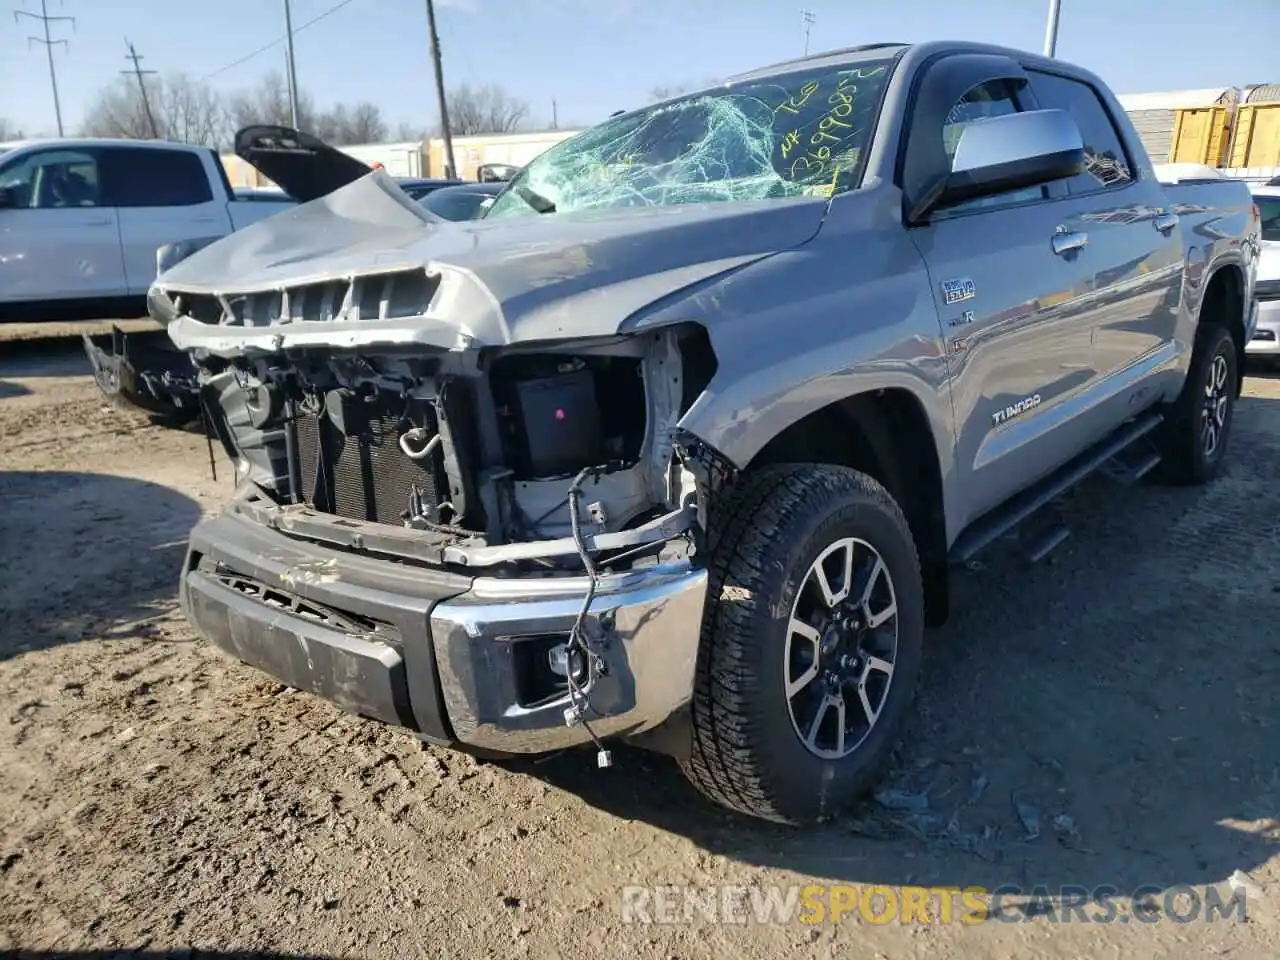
(678,443)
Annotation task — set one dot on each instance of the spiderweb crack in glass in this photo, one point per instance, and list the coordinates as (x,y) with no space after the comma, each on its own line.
(798,134)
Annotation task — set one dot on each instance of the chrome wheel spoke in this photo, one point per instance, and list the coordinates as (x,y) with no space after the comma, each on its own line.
(870,711)
(842,636)
(843,552)
(878,664)
(802,681)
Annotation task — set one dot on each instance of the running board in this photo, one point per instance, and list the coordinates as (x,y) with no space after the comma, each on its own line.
(1023,505)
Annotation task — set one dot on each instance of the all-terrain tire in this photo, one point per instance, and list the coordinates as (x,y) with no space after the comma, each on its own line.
(746,750)
(1187,458)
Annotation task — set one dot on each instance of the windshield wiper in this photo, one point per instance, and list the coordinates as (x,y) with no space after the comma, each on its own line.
(534,199)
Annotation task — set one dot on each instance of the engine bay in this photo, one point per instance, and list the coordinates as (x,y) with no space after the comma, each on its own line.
(526,458)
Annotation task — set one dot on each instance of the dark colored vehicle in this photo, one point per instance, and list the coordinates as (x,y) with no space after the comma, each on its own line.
(419,187)
(463,202)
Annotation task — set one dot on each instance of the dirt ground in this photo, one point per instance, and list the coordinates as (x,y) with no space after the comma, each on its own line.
(1107,717)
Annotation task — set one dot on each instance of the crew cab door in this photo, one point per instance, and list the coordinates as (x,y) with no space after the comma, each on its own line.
(1010,287)
(163,196)
(59,239)
(1133,255)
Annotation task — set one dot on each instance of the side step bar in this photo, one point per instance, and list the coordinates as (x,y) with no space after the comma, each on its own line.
(1018,508)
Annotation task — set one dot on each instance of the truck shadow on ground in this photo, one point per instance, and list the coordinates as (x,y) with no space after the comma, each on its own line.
(1105,718)
(85,555)
(124,954)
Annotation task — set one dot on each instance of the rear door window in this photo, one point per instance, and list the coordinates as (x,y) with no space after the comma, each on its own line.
(1106,163)
(149,177)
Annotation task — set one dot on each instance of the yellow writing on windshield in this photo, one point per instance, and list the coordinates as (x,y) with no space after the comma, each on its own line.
(790,142)
(793,103)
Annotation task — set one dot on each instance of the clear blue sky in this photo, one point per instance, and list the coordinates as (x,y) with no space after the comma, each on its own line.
(596,56)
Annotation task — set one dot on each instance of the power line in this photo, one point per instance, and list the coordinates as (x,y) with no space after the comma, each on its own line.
(49,43)
(276,42)
(138,72)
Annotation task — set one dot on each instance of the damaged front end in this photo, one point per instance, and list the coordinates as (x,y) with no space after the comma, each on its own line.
(496,546)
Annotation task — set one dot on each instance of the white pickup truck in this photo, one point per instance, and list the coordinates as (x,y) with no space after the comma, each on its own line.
(81,219)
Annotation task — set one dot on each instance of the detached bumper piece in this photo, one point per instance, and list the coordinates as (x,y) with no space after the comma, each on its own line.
(457,659)
(145,370)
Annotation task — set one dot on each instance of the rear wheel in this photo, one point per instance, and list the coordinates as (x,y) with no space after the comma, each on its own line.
(810,643)
(1195,433)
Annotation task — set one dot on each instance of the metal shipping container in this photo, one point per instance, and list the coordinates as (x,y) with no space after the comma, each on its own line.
(1256,140)
(1155,115)
(1201,136)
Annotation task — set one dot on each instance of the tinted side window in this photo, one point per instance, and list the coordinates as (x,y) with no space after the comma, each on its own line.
(1106,164)
(995,99)
(52,179)
(155,178)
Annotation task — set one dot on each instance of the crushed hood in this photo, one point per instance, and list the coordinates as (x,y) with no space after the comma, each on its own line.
(492,282)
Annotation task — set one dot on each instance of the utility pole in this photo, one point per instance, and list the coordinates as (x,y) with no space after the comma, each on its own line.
(48,42)
(1051,28)
(291,72)
(806,21)
(138,72)
(555,120)
(450,168)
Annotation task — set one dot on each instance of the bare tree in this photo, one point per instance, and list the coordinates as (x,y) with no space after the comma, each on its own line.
(185,110)
(667,91)
(344,125)
(268,103)
(485,109)
(367,125)
(406,131)
(8,131)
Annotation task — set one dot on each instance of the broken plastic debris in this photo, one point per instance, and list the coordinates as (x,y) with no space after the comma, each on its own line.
(1242,881)
(1030,817)
(892,799)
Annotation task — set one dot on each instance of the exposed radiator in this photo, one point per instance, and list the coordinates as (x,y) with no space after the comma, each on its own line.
(358,471)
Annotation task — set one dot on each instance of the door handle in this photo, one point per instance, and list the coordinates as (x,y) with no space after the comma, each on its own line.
(1166,222)
(1064,242)
(100,222)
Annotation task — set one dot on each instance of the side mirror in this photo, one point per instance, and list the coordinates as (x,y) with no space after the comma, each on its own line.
(1017,150)
(8,198)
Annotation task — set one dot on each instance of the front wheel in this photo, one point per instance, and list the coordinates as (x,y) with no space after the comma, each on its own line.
(810,644)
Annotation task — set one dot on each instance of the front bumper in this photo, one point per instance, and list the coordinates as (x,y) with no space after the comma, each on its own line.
(456,658)
(1264,340)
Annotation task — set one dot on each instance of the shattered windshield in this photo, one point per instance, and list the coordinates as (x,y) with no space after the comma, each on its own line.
(798,134)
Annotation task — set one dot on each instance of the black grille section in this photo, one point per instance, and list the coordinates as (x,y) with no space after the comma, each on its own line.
(351,464)
(1267,290)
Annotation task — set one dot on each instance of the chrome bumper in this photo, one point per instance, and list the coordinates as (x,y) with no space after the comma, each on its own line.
(646,627)
(1262,336)
(449,656)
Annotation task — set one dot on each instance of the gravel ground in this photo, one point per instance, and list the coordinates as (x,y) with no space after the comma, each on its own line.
(1107,717)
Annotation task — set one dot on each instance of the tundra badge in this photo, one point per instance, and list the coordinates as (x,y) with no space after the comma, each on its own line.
(958,290)
(1016,409)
